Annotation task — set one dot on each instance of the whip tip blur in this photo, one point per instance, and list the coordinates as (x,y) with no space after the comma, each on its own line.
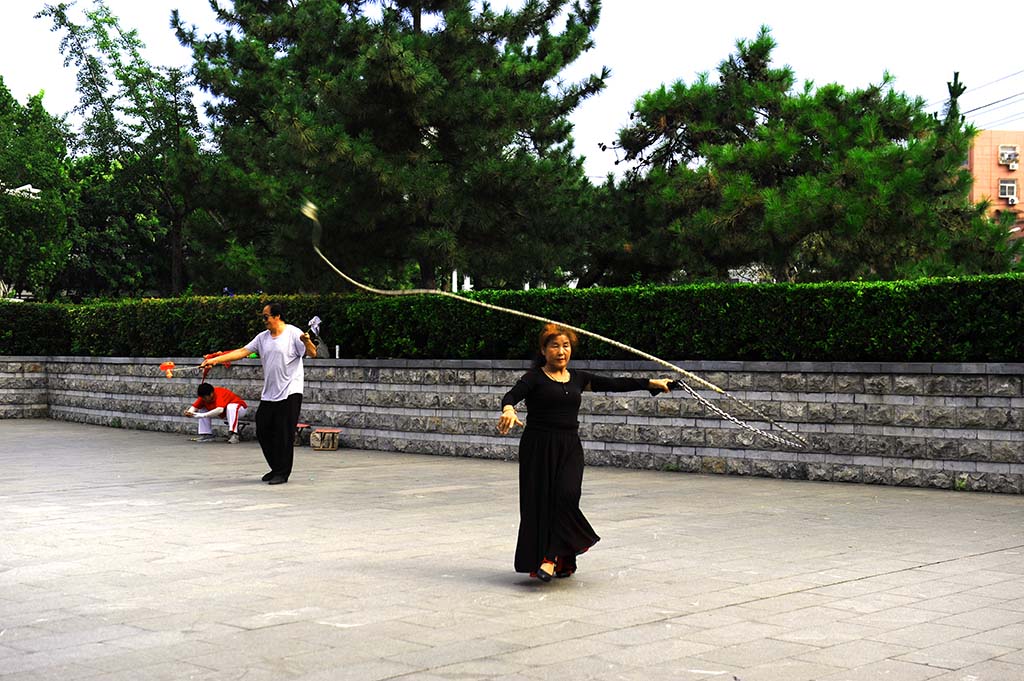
(309,209)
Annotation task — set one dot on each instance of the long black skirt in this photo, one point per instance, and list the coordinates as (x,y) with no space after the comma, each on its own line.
(550,479)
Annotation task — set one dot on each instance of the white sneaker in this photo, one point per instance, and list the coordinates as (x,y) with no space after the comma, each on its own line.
(233,440)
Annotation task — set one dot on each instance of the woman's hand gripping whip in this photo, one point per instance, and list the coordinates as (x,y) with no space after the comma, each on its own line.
(790,439)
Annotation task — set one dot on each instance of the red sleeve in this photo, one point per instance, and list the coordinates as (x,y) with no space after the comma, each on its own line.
(198,403)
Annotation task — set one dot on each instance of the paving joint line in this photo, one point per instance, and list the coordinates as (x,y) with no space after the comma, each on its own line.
(859,579)
(752,600)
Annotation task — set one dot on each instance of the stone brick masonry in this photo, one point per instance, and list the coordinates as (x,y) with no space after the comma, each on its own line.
(955,426)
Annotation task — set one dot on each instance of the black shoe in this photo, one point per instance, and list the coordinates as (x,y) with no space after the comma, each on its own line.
(277,480)
(267,476)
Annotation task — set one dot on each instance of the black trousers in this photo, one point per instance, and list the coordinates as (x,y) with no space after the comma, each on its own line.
(275,430)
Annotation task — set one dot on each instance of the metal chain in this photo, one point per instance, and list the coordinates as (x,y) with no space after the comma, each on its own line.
(186,370)
(800,443)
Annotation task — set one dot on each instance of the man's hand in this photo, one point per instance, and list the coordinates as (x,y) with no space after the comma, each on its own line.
(310,348)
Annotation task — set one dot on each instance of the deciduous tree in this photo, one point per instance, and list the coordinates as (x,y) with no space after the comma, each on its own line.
(143,164)
(34,239)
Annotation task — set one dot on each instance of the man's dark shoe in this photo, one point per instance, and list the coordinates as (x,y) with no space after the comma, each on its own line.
(267,476)
(277,480)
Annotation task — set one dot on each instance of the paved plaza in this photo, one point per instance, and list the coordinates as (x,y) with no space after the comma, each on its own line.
(139,556)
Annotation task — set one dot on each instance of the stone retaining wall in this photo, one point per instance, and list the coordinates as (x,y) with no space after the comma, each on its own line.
(936,425)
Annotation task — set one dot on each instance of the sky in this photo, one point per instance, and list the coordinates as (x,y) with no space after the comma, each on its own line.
(647,43)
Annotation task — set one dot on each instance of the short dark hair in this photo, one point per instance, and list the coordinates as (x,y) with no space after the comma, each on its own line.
(204,389)
(276,308)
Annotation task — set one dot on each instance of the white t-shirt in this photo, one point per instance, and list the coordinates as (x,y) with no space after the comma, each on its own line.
(282,362)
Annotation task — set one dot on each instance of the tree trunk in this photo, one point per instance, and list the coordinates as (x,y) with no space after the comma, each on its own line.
(177,257)
(427,277)
(590,277)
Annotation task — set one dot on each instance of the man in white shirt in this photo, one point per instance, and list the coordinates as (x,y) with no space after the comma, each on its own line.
(281,349)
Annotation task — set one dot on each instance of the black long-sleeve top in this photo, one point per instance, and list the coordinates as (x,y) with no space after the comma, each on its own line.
(556,406)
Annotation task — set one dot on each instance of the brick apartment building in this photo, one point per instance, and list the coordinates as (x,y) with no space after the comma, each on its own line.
(995,162)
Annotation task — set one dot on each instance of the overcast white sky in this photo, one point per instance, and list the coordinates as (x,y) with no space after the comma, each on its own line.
(650,42)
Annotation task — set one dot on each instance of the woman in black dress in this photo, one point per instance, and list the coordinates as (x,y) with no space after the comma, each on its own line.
(552,529)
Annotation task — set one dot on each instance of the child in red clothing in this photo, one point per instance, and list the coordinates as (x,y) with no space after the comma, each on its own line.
(213,403)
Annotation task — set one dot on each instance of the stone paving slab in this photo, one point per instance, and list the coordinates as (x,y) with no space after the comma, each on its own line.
(143,556)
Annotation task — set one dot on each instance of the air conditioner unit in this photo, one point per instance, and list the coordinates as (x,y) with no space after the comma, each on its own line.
(1013,165)
(1012,200)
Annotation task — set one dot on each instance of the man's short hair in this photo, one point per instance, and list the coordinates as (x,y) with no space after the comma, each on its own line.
(276,308)
(204,389)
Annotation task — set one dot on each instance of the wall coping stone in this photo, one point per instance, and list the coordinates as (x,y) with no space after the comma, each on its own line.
(696,366)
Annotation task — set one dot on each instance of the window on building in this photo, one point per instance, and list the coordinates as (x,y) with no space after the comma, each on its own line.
(1007,188)
(1008,153)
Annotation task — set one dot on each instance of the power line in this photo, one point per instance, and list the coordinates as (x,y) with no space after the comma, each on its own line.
(1012,101)
(985,106)
(995,113)
(983,124)
(999,121)
(1002,121)
(1017,73)
(973,90)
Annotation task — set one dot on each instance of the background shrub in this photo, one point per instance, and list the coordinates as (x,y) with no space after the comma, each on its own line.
(970,319)
(34,329)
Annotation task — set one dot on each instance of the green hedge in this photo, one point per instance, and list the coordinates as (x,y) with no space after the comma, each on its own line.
(971,319)
(33,329)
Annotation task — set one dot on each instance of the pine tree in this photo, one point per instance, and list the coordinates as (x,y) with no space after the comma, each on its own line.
(433,135)
(809,184)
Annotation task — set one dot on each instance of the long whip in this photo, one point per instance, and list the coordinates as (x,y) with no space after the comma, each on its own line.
(310,210)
